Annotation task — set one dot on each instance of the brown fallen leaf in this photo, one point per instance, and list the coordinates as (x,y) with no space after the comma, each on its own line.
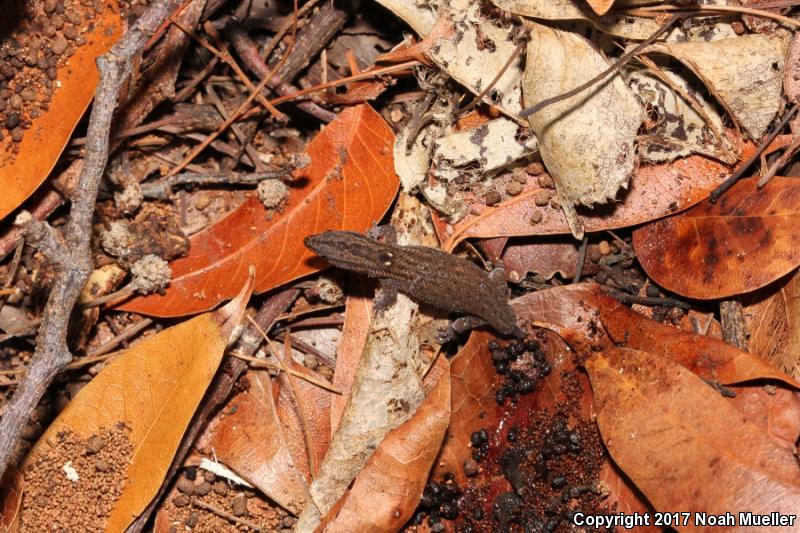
(348,185)
(546,258)
(11,490)
(773,321)
(250,441)
(154,389)
(744,241)
(474,382)
(586,141)
(654,191)
(623,496)
(386,492)
(672,434)
(585,311)
(23,172)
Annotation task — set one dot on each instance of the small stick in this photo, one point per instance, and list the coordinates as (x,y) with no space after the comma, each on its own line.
(306,377)
(736,176)
(514,55)
(787,154)
(581,258)
(607,72)
(646,300)
(130,331)
(720,9)
(226,515)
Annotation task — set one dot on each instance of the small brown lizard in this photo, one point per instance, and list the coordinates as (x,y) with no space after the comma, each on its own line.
(428,275)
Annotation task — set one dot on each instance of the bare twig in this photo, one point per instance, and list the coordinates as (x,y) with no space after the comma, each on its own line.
(728,183)
(74,265)
(646,300)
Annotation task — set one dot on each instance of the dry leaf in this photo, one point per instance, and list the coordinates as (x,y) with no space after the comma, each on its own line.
(545,257)
(616,24)
(354,335)
(600,6)
(677,128)
(10,500)
(586,141)
(348,185)
(386,492)
(655,191)
(773,322)
(745,73)
(482,149)
(21,174)
(744,241)
(473,50)
(574,311)
(154,389)
(623,497)
(671,434)
(474,382)
(250,441)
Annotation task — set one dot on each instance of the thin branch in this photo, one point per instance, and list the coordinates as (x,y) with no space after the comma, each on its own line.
(73,267)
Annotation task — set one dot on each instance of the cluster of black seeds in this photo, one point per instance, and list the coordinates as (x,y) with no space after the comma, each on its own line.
(480,444)
(518,381)
(439,500)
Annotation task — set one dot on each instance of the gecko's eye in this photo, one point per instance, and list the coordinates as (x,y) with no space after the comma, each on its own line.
(386,258)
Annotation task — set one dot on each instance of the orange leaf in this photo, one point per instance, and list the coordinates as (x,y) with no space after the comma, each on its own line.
(574,309)
(153,388)
(385,493)
(600,7)
(654,191)
(10,500)
(683,444)
(474,382)
(250,441)
(42,144)
(348,185)
(746,240)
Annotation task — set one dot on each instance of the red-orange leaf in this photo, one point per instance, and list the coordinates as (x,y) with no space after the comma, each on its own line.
(23,172)
(746,240)
(683,444)
(348,185)
(654,191)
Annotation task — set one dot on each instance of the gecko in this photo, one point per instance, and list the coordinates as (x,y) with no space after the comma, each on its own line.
(426,274)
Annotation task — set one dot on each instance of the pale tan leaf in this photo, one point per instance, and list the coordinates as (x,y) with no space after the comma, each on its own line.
(586,141)
(745,73)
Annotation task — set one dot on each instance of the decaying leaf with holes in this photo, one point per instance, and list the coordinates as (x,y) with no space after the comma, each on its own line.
(745,74)
(586,141)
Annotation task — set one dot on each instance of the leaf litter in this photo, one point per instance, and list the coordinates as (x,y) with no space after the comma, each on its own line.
(381,427)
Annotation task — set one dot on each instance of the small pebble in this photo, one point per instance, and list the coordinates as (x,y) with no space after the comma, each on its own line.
(604,247)
(514,188)
(95,444)
(470,468)
(102,466)
(546,182)
(203,488)
(542,198)
(185,486)
(653,292)
(221,488)
(536,217)
(180,501)
(193,519)
(239,505)
(535,168)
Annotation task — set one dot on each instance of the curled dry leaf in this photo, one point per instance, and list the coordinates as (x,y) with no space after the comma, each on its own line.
(386,492)
(10,500)
(620,25)
(575,310)
(654,191)
(348,185)
(661,422)
(745,73)
(743,242)
(250,441)
(154,389)
(586,141)
(37,153)
(773,322)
